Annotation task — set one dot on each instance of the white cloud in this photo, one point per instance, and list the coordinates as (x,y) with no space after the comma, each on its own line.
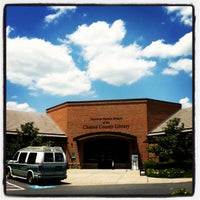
(184,64)
(33,94)
(69,83)
(183,47)
(108,60)
(116,67)
(59,11)
(9,29)
(185,102)
(99,33)
(184,13)
(11,105)
(38,64)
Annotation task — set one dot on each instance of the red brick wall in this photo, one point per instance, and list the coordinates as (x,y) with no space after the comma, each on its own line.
(59,115)
(133,117)
(158,111)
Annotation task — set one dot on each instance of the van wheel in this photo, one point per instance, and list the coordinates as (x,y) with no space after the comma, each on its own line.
(30,178)
(9,173)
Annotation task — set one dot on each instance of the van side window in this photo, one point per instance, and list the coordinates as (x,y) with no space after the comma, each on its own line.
(16,156)
(59,157)
(22,157)
(31,158)
(48,157)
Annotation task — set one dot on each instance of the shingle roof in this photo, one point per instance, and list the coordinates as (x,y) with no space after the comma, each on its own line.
(46,125)
(184,114)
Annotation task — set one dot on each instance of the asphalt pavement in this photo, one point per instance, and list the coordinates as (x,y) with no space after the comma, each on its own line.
(101,183)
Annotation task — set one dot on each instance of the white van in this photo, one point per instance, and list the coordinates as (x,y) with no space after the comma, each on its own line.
(38,163)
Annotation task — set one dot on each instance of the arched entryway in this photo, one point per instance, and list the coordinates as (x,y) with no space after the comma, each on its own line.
(106,150)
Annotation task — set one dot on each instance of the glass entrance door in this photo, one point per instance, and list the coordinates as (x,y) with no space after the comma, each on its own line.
(107,153)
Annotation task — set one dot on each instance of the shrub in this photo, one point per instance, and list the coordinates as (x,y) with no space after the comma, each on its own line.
(165,173)
(186,164)
(167,165)
(150,164)
(188,173)
(181,192)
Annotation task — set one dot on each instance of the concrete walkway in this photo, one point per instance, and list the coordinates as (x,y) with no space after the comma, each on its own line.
(112,177)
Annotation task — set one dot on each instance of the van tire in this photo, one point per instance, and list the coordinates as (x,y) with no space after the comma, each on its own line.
(30,178)
(9,173)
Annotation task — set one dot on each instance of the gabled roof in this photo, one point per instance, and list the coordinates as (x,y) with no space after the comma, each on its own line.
(184,114)
(46,125)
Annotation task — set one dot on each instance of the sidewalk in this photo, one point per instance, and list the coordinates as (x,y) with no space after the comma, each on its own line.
(113,177)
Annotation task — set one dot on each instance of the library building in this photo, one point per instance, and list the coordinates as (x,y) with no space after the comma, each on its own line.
(103,134)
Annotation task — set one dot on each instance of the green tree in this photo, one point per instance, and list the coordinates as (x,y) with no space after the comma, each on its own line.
(175,144)
(27,135)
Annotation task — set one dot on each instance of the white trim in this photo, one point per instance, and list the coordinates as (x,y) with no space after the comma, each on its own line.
(40,134)
(163,133)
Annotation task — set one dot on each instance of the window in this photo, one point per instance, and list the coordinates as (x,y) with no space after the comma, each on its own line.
(31,158)
(22,157)
(48,157)
(59,157)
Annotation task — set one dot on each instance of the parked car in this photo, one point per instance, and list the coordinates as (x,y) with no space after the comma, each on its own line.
(38,163)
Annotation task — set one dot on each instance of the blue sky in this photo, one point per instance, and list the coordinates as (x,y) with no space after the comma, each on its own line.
(56,54)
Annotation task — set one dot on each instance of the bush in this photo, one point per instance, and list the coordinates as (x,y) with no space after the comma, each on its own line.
(167,165)
(169,169)
(181,192)
(188,173)
(150,164)
(165,173)
(161,165)
(186,164)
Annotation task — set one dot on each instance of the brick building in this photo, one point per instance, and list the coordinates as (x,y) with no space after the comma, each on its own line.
(103,134)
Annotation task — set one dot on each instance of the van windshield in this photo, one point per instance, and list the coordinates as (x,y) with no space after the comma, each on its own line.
(15,156)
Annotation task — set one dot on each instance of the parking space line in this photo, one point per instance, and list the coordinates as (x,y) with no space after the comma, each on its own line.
(12,187)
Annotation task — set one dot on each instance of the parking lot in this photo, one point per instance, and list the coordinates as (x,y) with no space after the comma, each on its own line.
(13,187)
(99,183)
